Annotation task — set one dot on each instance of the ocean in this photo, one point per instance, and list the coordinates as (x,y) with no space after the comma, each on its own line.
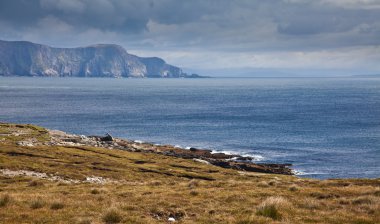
(325,127)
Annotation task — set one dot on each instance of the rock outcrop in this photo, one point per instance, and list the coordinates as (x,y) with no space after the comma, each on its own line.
(22,58)
(237,162)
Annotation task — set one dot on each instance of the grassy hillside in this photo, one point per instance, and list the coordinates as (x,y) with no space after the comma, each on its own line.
(81,184)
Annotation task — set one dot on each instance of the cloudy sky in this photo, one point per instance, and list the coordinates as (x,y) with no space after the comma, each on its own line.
(316,37)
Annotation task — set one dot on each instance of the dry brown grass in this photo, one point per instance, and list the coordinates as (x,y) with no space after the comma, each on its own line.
(37,203)
(152,192)
(310,204)
(276,208)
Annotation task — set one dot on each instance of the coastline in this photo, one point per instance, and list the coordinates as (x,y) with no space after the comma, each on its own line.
(146,110)
(220,159)
(49,176)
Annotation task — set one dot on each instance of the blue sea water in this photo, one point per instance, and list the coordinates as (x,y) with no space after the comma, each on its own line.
(326,127)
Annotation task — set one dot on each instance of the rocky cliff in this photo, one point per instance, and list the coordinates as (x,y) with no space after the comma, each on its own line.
(21,58)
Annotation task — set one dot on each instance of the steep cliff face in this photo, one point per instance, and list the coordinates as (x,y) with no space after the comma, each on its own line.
(157,67)
(22,58)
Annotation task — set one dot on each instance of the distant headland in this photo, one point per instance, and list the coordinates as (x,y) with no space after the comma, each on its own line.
(22,58)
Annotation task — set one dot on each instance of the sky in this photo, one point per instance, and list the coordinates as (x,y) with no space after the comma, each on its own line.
(213,37)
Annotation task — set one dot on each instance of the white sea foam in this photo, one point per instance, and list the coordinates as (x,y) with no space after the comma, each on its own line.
(255,157)
(138,141)
(303,173)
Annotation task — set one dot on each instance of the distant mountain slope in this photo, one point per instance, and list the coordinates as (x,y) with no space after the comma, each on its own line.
(22,58)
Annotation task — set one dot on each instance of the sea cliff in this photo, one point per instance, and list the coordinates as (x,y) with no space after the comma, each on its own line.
(22,58)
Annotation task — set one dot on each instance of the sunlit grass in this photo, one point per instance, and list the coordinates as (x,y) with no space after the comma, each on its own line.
(154,191)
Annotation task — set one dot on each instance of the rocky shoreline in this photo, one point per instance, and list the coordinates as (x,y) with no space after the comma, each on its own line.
(237,162)
(90,177)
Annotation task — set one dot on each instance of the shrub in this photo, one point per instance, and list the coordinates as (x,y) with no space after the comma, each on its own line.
(112,216)
(4,200)
(56,206)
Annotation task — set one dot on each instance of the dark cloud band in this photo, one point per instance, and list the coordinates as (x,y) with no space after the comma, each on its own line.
(208,25)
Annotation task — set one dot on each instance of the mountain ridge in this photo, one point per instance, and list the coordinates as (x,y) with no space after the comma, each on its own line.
(24,58)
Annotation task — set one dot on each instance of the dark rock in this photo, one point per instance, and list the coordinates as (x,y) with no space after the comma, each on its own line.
(107,138)
(244,158)
(221,156)
(221,163)
(261,168)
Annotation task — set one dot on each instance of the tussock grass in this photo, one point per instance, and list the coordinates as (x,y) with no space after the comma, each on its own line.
(275,208)
(270,211)
(310,204)
(57,205)
(37,203)
(112,216)
(263,184)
